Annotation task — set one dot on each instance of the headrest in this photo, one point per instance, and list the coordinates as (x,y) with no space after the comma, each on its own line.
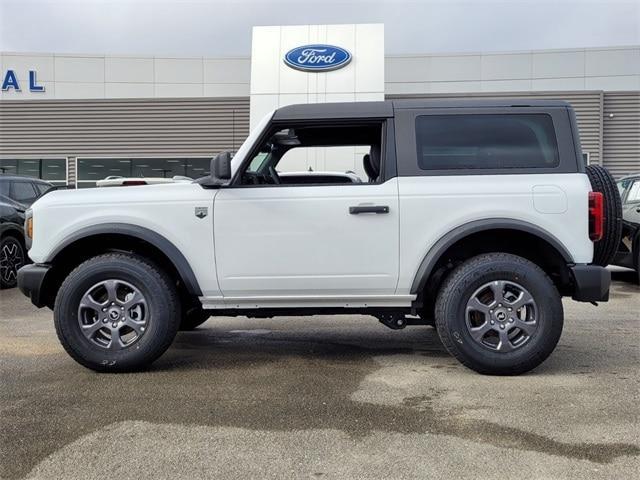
(368,167)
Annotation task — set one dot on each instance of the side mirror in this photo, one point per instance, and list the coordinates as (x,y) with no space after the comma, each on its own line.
(221,166)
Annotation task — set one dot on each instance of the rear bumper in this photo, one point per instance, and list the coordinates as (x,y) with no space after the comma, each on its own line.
(591,283)
(30,281)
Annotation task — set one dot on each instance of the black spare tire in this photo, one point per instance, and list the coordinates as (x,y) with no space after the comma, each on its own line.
(602,181)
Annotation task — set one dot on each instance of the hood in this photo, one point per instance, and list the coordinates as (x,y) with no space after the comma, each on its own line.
(121,195)
(9,202)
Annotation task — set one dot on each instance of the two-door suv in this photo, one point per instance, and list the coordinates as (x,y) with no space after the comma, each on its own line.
(474,216)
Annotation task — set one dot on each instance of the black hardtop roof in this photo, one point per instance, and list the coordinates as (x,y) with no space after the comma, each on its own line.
(385,108)
(334,110)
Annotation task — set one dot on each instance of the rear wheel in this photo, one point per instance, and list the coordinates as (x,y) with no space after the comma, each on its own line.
(116,312)
(499,314)
(601,181)
(12,258)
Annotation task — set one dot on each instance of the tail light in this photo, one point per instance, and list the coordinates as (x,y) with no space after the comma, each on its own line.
(596,216)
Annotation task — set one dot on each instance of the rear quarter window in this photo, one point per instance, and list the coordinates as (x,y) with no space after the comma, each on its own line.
(41,188)
(486,141)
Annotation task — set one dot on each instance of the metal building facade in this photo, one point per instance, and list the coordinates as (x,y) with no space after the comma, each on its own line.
(121,128)
(156,108)
(621,132)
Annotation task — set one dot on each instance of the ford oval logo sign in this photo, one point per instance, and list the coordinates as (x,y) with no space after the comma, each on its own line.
(317,58)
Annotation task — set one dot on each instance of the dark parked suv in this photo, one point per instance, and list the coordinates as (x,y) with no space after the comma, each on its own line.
(16,195)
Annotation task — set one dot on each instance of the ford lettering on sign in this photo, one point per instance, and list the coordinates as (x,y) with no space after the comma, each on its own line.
(317,58)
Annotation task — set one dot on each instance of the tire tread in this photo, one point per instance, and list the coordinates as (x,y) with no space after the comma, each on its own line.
(602,181)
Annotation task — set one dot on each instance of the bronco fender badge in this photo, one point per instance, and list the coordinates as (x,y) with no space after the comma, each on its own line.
(201,212)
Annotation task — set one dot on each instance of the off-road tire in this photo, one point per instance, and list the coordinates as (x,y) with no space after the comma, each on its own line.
(156,287)
(602,181)
(11,247)
(458,288)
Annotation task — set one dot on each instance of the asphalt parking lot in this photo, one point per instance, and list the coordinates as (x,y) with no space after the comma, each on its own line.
(334,397)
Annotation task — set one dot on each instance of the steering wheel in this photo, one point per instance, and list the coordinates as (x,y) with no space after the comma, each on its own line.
(274,175)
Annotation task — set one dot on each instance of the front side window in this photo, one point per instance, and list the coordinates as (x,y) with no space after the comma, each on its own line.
(317,155)
(486,141)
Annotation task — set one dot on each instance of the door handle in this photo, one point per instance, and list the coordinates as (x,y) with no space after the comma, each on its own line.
(368,209)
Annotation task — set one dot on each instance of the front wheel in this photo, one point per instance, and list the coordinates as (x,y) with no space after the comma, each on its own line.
(116,312)
(499,314)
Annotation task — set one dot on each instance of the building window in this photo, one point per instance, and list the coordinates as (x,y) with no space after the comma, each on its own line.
(92,169)
(53,170)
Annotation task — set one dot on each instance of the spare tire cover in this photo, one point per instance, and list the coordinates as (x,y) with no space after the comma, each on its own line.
(601,181)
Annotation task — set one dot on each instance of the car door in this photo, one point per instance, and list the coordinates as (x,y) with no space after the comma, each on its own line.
(307,241)
(312,245)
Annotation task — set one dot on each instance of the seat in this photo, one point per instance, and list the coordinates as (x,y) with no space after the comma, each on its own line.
(368,168)
(371,163)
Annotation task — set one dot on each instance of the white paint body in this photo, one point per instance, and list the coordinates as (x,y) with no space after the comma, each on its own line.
(294,246)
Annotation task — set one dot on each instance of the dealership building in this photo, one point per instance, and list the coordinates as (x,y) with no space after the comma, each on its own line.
(75,119)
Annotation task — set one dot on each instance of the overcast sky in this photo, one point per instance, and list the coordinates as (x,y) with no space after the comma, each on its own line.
(223,28)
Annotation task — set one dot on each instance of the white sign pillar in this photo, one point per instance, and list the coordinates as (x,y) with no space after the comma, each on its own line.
(275,84)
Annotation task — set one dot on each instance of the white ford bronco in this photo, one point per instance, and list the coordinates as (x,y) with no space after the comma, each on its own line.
(475,217)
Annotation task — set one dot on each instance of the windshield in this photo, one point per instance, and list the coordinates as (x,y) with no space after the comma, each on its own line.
(622,185)
(258,161)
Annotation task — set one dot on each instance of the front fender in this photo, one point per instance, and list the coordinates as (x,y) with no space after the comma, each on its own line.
(161,243)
